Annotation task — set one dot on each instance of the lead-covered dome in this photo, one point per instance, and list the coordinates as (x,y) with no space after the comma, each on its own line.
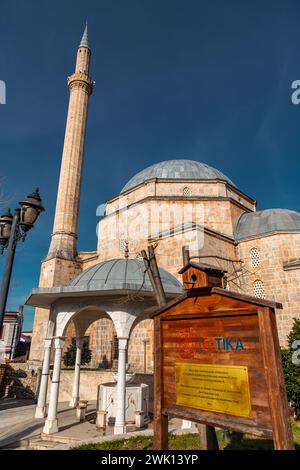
(270,220)
(176,169)
(115,274)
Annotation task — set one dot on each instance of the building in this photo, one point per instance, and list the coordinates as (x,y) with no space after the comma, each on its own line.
(169,204)
(23,348)
(11,334)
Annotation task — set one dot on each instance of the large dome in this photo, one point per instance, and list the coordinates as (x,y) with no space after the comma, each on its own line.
(116,274)
(270,220)
(176,169)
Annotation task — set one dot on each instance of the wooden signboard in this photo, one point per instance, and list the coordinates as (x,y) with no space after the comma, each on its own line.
(217,362)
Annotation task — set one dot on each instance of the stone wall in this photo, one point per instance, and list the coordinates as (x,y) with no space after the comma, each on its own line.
(213,188)
(152,216)
(279,284)
(169,251)
(101,342)
(89,381)
(20,380)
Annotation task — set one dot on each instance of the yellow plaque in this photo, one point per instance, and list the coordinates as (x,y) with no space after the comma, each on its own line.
(210,387)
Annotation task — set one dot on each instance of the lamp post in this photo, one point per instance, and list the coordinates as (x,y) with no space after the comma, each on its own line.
(14,228)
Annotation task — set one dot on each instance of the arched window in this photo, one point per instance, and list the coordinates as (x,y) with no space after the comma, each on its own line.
(254,257)
(187,192)
(259,289)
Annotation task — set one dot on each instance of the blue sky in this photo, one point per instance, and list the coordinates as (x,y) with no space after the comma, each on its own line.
(203,80)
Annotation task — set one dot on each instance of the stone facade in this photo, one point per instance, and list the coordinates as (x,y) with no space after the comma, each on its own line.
(280,284)
(218,246)
(220,205)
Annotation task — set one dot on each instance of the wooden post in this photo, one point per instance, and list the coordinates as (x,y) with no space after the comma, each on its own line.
(282,432)
(158,287)
(150,273)
(208,437)
(160,424)
(152,268)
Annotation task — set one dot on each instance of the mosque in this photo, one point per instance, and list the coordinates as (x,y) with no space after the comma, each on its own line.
(169,204)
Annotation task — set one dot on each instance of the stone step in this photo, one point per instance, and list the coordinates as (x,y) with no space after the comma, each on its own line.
(38,443)
(43,445)
(56,438)
(17,445)
(90,415)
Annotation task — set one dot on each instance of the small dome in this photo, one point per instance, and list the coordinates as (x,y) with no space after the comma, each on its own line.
(271,220)
(123,274)
(176,169)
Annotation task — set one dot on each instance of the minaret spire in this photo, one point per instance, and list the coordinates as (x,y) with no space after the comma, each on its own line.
(62,263)
(85,37)
(63,243)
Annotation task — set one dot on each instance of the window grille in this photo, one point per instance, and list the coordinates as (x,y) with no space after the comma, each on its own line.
(259,289)
(254,257)
(187,192)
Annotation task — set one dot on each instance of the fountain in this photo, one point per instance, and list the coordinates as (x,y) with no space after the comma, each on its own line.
(136,403)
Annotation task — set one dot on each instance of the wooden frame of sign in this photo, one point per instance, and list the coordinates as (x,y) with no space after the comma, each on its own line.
(217,362)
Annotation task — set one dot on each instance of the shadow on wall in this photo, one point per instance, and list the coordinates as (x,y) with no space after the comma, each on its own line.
(19,383)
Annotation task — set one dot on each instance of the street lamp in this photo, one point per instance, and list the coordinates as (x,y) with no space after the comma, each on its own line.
(14,228)
(6,221)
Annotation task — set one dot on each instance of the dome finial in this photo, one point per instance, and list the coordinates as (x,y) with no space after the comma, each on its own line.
(85,37)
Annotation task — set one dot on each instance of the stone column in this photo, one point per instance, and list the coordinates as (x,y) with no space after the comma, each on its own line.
(40,411)
(120,425)
(75,391)
(51,421)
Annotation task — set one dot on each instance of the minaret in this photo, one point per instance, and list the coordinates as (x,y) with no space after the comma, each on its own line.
(62,264)
(63,242)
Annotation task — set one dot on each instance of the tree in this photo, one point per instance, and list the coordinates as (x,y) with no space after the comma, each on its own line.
(70,354)
(291,368)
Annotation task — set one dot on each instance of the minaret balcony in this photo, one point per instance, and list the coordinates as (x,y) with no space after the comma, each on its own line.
(81,79)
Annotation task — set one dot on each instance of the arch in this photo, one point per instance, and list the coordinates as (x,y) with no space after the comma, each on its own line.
(102,343)
(140,346)
(144,315)
(82,318)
